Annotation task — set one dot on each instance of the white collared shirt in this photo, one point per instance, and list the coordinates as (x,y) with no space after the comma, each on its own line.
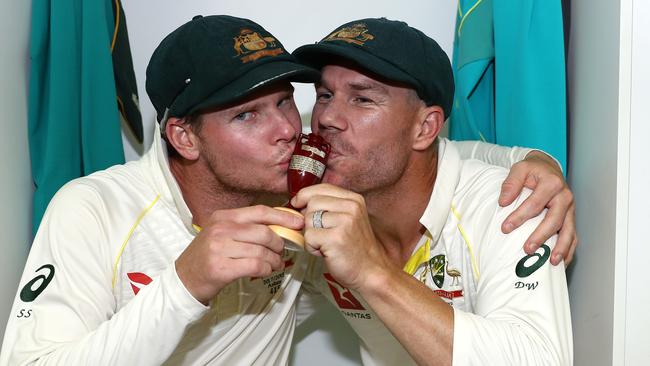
(509,308)
(100,287)
(114,234)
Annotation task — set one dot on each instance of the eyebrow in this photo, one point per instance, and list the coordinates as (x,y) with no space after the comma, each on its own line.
(254,103)
(242,108)
(362,86)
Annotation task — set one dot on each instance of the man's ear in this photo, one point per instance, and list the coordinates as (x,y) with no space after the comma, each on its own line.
(430,122)
(181,136)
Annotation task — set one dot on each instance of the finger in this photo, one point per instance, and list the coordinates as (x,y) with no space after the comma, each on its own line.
(247,233)
(567,239)
(353,204)
(513,184)
(259,214)
(550,225)
(569,258)
(316,240)
(533,205)
(253,267)
(562,247)
(253,251)
(228,269)
(329,219)
(305,195)
(311,246)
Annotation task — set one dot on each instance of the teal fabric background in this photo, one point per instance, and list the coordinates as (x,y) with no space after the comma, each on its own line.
(74,126)
(510,74)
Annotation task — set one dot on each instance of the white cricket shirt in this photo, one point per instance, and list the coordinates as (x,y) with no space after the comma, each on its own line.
(509,308)
(100,286)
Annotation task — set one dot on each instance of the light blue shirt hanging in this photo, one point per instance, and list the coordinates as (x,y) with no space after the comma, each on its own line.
(510,74)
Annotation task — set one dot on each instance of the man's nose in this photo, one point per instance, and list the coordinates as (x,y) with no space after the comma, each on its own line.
(286,129)
(330,117)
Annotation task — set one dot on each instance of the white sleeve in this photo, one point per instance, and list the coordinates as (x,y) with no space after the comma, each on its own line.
(65,311)
(521,313)
(502,156)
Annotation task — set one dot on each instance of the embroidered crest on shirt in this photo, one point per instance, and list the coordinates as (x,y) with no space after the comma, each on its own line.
(453,273)
(436,267)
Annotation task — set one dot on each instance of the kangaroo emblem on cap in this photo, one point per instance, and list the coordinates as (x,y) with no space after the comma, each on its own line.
(252,46)
(356,33)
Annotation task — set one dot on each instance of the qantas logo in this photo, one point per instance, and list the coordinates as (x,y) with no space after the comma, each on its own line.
(138,280)
(342,295)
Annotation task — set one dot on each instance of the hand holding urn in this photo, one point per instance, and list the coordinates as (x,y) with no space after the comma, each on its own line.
(306,168)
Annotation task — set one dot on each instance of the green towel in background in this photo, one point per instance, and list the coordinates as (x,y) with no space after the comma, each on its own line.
(74,127)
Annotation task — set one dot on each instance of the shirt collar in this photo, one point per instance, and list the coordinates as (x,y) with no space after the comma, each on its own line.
(159,148)
(449,165)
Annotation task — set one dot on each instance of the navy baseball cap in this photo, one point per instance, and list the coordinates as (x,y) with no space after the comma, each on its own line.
(215,60)
(392,50)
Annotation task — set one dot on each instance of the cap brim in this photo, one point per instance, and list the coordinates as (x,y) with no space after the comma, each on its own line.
(320,54)
(258,78)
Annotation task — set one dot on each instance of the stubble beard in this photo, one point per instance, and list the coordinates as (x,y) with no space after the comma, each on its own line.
(241,183)
(374,172)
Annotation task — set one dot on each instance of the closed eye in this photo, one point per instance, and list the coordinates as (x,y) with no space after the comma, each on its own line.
(361,99)
(285,101)
(323,96)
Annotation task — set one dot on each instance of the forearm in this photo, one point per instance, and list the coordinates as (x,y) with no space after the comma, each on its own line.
(401,302)
(433,333)
(503,156)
